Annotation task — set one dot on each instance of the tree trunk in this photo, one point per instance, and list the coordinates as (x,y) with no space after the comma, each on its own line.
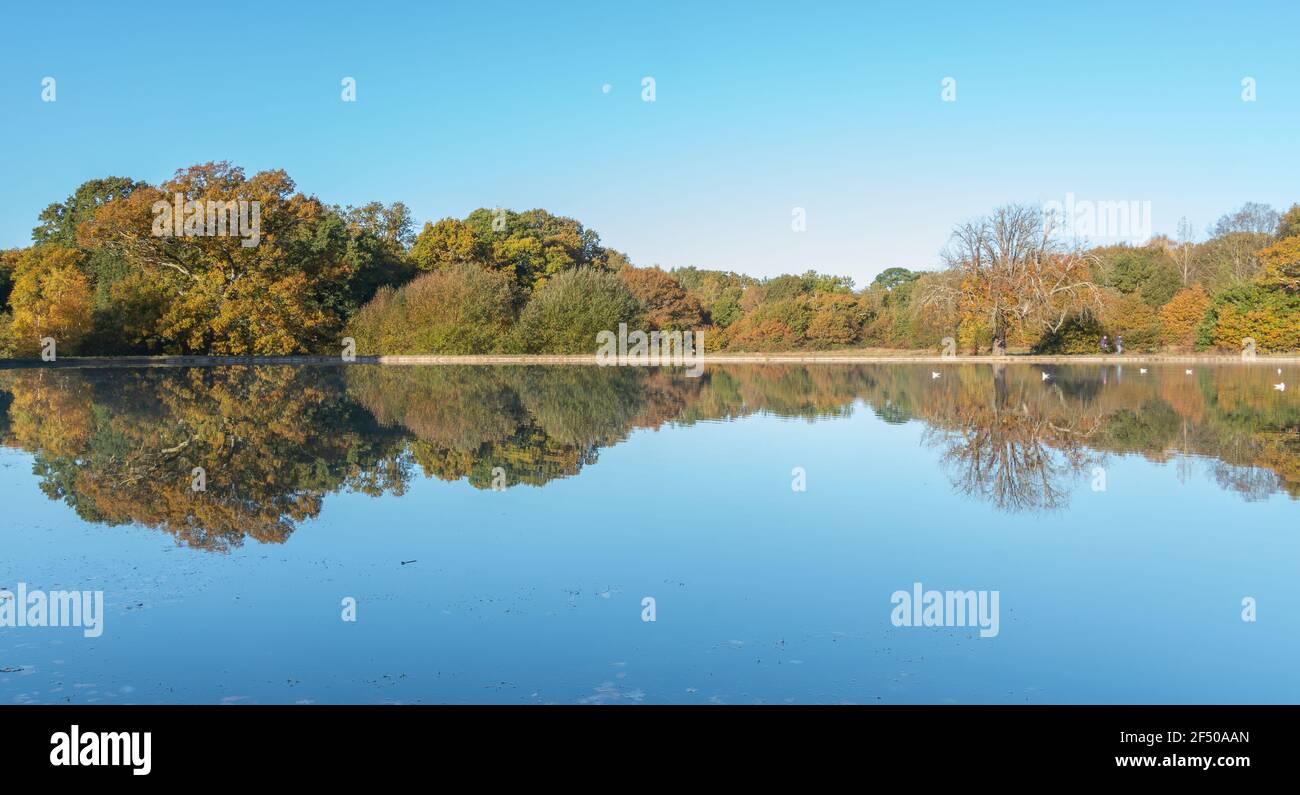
(999,347)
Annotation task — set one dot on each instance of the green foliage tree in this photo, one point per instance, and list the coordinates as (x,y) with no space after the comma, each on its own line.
(59,220)
(892,278)
(463,309)
(718,292)
(567,312)
(8,264)
(1146,270)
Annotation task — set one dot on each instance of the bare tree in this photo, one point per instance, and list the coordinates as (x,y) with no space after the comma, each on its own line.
(1011,268)
(1253,217)
(1183,251)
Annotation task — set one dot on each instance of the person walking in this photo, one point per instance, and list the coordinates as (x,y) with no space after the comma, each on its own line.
(1105,344)
(1119,345)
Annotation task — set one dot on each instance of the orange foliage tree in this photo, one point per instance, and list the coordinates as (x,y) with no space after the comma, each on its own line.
(1180,317)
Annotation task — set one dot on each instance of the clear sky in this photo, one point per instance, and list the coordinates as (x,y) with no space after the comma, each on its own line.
(759,108)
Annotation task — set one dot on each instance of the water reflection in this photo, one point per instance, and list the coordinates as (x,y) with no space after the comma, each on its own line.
(1007,440)
(120,446)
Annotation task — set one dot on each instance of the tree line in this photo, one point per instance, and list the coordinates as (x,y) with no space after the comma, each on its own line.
(100,280)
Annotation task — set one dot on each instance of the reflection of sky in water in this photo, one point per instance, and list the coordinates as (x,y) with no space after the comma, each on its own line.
(763,594)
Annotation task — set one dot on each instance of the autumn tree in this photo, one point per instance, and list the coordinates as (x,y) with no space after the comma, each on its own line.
(837,320)
(1128,316)
(448,243)
(1289,224)
(1270,317)
(1182,315)
(531,246)
(1281,265)
(1010,269)
(50,298)
(284,284)
(667,305)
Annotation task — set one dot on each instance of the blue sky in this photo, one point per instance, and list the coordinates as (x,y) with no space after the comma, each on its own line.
(759,108)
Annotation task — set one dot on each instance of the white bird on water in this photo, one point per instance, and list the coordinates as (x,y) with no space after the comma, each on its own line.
(1280,387)
(1046,376)
(1143,371)
(933,375)
(1189,372)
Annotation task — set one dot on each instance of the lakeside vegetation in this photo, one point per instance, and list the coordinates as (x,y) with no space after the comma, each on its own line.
(98,281)
(119,446)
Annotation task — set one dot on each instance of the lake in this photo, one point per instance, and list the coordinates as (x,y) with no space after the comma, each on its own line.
(505,534)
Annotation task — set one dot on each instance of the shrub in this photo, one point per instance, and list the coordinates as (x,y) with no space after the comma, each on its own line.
(1080,334)
(566,313)
(462,309)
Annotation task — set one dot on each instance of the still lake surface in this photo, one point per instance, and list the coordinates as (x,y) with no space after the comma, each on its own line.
(500,527)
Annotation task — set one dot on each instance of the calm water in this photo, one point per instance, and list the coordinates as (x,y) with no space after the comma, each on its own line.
(499,528)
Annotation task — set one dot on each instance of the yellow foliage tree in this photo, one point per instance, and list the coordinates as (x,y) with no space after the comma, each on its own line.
(1281,265)
(51,298)
(1270,327)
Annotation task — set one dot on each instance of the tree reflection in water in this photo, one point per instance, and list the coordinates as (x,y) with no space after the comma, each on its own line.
(1009,441)
(119,445)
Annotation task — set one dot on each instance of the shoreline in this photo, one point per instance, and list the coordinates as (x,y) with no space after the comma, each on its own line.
(901,357)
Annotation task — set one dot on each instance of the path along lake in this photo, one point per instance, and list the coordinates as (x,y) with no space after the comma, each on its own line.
(500,529)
